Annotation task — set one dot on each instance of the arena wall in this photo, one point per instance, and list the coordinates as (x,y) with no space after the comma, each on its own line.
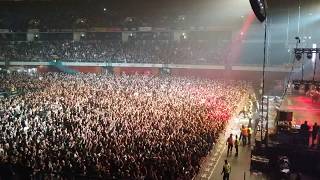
(136,70)
(88,69)
(46,69)
(203,73)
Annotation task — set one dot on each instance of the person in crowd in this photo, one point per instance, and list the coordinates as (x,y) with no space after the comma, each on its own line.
(226,170)
(315,130)
(114,51)
(243,112)
(229,143)
(113,127)
(236,145)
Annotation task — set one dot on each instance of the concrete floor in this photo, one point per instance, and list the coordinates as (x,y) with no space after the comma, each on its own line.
(240,166)
(303,109)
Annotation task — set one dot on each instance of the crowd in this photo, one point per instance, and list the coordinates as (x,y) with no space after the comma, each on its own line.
(113,127)
(164,52)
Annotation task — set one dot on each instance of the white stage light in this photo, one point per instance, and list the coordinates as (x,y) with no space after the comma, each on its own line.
(314,54)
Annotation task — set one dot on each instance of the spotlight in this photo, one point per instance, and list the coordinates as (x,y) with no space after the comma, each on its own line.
(258,7)
(309,55)
(298,56)
(184,36)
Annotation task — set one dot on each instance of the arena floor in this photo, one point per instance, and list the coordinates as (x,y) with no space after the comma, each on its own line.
(303,109)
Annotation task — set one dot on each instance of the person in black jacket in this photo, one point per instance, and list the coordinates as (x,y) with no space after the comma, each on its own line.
(315,130)
(304,131)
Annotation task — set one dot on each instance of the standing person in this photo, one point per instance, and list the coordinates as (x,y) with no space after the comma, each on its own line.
(319,138)
(244,135)
(226,170)
(230,144)
(249,134)
(315,130)
(236,145)
(304,131)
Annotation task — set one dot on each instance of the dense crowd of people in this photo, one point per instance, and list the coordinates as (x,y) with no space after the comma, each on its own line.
(164,52)
(113,127)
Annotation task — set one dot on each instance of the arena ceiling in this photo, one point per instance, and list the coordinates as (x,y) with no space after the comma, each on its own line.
(221,12)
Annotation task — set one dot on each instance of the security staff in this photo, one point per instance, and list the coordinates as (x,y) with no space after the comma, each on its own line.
(226,170)
(236,145)
(230,144)
(244,135)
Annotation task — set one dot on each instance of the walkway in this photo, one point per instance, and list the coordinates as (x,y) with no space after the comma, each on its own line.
(240,165)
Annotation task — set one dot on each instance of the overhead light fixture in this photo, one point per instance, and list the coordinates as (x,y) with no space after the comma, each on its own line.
(298,56)
(309,55)
(258,7)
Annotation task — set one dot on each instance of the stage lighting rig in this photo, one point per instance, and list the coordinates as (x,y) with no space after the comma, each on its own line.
(259,9)
(299,52)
